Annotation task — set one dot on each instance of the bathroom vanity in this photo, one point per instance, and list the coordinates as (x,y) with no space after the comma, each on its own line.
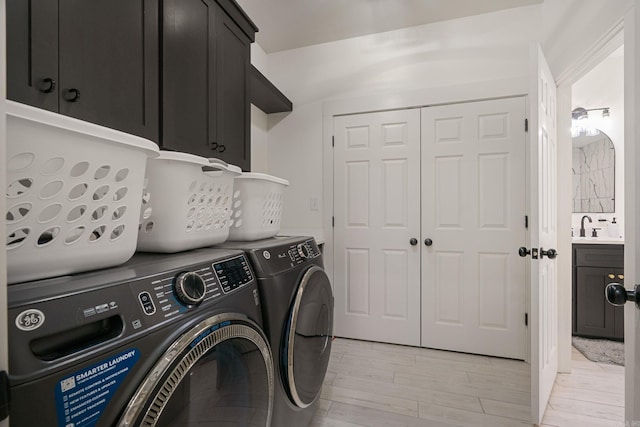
(596,263)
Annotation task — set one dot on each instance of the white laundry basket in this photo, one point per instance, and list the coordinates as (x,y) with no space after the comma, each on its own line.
(186,203)
(257,206)
(73,194)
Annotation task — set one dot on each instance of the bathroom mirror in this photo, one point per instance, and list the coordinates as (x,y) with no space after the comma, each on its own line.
(593,173)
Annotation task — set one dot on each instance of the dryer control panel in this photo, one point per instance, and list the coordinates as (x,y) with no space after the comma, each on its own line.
(168,294)
(276,259)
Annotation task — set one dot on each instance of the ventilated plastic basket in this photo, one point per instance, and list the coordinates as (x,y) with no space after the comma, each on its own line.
(257,206)
(186,203)
(73,194)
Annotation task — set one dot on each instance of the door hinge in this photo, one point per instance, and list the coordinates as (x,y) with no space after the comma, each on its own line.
(5,398)
(526,319)
(526,221)
(526,125)
(333,141)
(333,221)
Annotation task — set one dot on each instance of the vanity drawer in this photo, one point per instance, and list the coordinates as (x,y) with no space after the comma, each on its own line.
(586,255)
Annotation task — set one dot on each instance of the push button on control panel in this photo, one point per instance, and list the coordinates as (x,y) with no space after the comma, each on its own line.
(147,303)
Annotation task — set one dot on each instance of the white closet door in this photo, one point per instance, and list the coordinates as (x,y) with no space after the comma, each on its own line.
(377,213)
(473,212)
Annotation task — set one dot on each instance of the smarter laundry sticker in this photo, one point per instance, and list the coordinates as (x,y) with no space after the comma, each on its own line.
(82,397)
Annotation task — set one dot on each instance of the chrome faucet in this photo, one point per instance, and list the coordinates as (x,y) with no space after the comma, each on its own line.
(582,234)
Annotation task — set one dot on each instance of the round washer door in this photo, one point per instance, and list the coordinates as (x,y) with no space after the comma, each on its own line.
(219,373)
(307,345)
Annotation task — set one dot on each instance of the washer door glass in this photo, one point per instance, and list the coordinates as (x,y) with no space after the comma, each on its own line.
(219,373)
(308,337)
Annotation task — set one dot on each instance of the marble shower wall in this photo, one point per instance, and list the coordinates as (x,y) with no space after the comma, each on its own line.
(593,176)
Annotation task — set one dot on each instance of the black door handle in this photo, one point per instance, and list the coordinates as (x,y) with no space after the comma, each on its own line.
(551,253)
(428,242)
(617,295)
(523,252)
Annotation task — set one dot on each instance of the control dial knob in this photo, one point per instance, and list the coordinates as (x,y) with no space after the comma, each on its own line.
(303,251)
(190,288)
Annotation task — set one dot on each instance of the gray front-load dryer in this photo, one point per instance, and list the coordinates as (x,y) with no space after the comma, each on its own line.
(297,308)
(164,340)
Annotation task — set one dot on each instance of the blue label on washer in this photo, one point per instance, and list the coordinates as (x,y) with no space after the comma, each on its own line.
(82,397)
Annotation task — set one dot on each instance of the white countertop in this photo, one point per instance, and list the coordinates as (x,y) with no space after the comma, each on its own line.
(598,240)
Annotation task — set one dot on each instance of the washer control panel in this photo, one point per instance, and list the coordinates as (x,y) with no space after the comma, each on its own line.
(168,294)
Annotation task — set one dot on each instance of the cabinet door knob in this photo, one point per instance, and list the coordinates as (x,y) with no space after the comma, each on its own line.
(222,148)
(413,241)
(47,85)
(621,276)
(428,242)
(72,95)
(612,276)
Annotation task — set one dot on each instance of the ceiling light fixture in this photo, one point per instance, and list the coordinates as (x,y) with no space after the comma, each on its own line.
(580,113)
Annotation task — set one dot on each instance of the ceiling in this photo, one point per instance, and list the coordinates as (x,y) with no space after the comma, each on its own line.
(289,24)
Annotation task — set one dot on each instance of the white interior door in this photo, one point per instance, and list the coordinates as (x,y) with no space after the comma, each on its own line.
(542,192)
(473,210)
(377,213)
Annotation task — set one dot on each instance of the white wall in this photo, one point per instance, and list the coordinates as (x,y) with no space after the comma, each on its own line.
(572,27)
(603,86)
(259,130)
(475,49)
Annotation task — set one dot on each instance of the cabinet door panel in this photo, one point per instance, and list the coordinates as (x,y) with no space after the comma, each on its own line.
(108,52)
(595,316)
(618,311)
(232,103)
(187,55)
(32,52)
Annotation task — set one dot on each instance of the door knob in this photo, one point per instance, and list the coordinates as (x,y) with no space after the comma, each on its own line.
(551,253)
(413,241)
(617,294)
(523,252)
(428,242)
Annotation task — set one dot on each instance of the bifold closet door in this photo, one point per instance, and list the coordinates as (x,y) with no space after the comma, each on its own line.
(473,220)
(377,226)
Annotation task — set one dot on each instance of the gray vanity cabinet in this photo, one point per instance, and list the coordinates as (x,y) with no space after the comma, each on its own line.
(594,267)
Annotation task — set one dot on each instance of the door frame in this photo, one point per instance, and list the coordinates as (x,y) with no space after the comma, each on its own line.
(407,99)
(4,361)
(601,49)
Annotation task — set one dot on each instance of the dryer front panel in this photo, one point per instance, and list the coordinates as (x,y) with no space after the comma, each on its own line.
(307,339)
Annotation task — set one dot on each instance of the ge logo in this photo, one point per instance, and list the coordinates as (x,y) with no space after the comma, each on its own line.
(29,320)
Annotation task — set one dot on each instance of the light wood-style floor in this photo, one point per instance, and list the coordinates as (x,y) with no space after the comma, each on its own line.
(373,384)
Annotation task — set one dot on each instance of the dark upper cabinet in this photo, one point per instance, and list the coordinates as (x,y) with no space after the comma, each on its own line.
(206,53)
(595,266)
(94,60)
